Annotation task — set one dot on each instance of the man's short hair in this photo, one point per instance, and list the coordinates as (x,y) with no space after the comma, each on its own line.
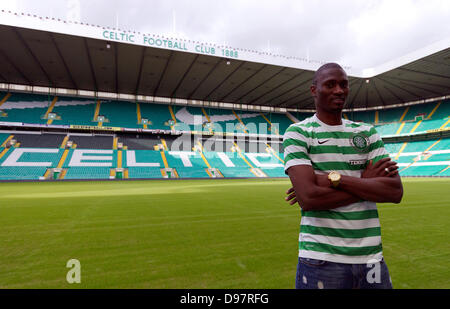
(324,67)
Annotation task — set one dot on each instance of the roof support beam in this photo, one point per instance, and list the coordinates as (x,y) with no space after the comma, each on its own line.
(4,56)
(163,73)
(52,38)
(224,80)
(116,66)
(28,49)
(378,93)
(357,92)
(271,77)
(205,78)
(139,75)
(91,67)
(417,82)
(421,88)
(392,92)
(289,90)
(247,79)
(278,86)
(296,96)
(401,88)
(184,76)
(425,73)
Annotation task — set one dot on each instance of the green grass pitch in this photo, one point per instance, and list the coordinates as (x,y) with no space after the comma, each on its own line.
(196,234)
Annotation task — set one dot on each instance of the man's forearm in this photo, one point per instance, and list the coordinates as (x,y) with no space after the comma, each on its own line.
(379,189)
(324,198)
(318,195)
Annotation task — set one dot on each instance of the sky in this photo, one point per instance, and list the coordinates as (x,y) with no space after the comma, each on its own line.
(355,33)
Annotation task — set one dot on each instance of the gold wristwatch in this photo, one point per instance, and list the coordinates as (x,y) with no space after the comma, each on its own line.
(335,178)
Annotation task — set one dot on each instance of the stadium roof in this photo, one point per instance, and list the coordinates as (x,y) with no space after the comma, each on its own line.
(54,53)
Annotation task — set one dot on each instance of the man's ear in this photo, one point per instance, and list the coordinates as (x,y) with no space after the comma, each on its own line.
(313,89)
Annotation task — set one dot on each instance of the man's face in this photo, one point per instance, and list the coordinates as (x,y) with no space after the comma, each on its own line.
(331,90)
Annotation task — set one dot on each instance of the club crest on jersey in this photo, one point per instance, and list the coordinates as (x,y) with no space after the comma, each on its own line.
(360,142)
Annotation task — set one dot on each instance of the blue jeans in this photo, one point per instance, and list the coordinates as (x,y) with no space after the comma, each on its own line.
(318,274)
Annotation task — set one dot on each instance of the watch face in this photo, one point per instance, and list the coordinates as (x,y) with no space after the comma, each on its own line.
(334,176)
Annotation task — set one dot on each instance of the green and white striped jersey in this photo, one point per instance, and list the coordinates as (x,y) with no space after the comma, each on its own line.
(349,234)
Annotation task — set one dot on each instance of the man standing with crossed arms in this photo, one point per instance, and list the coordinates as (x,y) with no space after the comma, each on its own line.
(339,169)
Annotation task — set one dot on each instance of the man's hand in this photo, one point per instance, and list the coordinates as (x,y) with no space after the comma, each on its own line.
(291,198)
(321,180)
(383,168)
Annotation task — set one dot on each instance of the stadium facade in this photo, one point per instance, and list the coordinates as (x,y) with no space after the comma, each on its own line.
(81,101)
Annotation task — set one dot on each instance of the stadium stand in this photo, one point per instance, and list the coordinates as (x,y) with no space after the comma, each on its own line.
(92,142)
(71,111)
(143,143)
(40,140)
(192,156)
(37,156)
(189,155)
(30,108)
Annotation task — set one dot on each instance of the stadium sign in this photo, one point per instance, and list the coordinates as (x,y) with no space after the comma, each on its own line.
(105,158)
(438,130)
(188,46)
(53,25)
(83,127)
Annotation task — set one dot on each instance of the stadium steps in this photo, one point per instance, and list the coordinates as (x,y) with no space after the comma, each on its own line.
(271,151)
(139,116)
(163,142)
(445,169)
(434,110)
(173,117)
(282,120)
(3,137)
(244,128)
(292,118)
(400,151)
(50,109)
(417,146)
(446,123)
(166,166)
(163,156)
(272,129)
(209,120)
(5,142)
(97,113)
(5,98)
(4,152)
(63,158)
(64,142)
(209,170)
(255,171)
(119,159)
(115,142)
(429,148)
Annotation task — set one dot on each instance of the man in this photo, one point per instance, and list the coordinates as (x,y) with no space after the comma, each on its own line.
(339,169)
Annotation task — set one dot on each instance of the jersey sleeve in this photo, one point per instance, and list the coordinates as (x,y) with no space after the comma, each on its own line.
(296,149)
(376,150)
